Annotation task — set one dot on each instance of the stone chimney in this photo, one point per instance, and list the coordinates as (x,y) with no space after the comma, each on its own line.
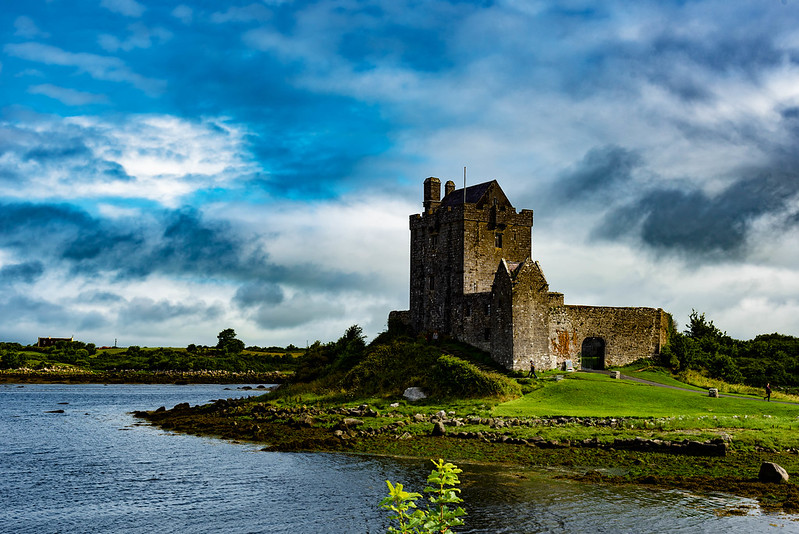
(449,187)
(432,194)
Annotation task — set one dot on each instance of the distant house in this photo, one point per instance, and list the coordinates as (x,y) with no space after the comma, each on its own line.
(50,341)
(473,279)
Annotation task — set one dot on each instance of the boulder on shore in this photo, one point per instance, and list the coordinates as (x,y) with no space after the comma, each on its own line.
(439,429)
(771,472)
(414,394)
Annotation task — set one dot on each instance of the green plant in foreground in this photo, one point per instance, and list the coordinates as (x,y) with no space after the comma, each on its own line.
(438,517)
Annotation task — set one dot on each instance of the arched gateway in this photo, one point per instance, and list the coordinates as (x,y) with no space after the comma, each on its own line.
(593,353)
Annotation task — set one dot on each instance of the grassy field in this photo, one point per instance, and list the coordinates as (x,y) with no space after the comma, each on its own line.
(597,395)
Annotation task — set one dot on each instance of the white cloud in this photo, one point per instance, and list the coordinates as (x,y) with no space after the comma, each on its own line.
(71,97)
(99,67)
(26,27)
(157,158)
(183,13)
(129,8)
(140,37)
(249,13)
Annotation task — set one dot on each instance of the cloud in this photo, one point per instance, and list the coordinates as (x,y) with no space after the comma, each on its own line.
(140,37)
(183,13)
(21,272)
(71,97)
(601,172)
(258,293)
(704,226)
(146,311)
(99,67)
(26,27)
(249,13)
(129,8)
(156,158)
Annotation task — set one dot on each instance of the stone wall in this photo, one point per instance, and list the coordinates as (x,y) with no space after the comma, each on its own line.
(525,333)
(628,333)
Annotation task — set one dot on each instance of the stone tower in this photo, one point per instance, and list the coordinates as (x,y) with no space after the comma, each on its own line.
(456,245)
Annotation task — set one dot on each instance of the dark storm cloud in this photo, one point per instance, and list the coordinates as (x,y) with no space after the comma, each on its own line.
(257,293)
(33,151)
(700,225)
(100,297)
(682,219)
(600,172)
(176,243)
(148,311)
(300,310)
(30,309)
(21,272)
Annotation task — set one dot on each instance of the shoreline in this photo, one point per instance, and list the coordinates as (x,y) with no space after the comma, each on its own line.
(362,430)
(140,377)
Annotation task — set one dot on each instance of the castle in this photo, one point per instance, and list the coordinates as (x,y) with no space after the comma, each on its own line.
(473,279)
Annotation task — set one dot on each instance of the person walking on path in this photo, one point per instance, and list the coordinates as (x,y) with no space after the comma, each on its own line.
(532,370)
(768,392)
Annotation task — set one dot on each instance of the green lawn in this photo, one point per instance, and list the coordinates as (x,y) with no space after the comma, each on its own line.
(596,395)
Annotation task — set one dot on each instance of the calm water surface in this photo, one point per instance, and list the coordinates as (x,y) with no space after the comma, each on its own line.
(95,468)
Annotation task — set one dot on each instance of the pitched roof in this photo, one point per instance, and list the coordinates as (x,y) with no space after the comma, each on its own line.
(473,195)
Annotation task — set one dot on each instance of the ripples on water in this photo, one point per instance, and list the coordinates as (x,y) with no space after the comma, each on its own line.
(94,468)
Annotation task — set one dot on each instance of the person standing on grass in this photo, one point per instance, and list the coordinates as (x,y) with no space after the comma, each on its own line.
(532,370)
(768,392)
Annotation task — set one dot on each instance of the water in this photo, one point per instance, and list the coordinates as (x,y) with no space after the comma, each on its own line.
(95,468)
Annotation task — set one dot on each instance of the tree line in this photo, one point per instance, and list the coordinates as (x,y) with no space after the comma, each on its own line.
(229,354)
(703,347)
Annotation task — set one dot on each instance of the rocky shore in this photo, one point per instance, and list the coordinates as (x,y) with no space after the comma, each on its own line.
(701,466)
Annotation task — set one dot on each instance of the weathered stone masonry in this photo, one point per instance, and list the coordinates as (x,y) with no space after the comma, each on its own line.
(472,278)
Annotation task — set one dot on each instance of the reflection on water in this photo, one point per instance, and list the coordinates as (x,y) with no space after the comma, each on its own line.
(94,468)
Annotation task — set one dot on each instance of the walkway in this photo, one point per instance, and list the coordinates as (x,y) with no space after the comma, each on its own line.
(658,384)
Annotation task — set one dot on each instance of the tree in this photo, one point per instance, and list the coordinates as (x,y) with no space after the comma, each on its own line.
(228,343)
(11,359)
(699,327)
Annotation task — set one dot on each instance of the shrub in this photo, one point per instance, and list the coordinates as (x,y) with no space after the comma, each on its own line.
(438,517)
(457,377)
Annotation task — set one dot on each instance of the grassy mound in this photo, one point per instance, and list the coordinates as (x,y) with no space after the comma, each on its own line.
(348,370)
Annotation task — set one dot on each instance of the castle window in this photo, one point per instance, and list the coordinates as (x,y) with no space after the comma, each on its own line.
(488,310)
(498,240)
(431,285)
(487,334)
(434,240)
(468,311)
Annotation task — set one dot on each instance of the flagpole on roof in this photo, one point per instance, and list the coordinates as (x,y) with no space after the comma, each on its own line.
(464,187)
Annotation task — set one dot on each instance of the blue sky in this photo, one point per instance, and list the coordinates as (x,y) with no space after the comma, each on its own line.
(171,169)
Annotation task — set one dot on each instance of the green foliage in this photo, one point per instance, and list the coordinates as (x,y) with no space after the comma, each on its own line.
(11,359)
(388,369)
(438,517)
(702,347)
(460,378)
(391,368)
(228,344)
(332,360)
